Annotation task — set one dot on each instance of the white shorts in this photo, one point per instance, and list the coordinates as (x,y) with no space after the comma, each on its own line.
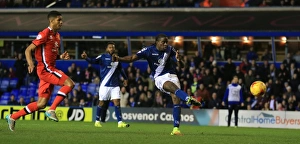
(109,93)
(160,80)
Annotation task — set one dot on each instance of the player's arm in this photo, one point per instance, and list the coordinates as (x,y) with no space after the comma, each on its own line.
(96,60)
(127,59)
(139,55)
(64,56)
(28,56)
(225,98)
(123,74)
(241,97)
(178,57)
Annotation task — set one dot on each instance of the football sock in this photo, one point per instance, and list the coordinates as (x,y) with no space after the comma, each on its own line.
(30,108)
(176,115)
(118,113)
(181,94)
(99,108)
(61,95)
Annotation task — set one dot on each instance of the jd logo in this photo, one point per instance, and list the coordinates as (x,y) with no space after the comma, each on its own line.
(76,114)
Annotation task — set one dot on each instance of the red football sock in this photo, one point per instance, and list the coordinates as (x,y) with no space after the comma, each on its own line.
(61,95)
(30,108)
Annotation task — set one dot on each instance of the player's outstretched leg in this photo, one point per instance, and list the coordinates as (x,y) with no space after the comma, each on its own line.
(61,95)
(11,119)
(11,122)
(175,89)
(184,96)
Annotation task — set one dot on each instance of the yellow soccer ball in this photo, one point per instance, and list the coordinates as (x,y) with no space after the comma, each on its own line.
(258,88)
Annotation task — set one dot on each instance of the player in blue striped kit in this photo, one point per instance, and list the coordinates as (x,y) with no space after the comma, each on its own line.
(160,57)
(109,83)
(234,96)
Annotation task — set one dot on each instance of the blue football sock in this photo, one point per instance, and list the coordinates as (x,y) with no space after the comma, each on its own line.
(99,108)
(118,113)
(176,115)
(181,94)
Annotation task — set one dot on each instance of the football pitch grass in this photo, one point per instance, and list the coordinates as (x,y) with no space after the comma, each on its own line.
(48,132)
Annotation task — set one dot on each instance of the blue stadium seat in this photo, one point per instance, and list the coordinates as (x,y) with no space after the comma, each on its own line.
(4,84)
(23,90)
(84,87)
(92,88)
(55,90)
(76,85)
(13,82)
(15,92)
(33,85)
(3,102)
(5,96)
(36,97)
(31,92)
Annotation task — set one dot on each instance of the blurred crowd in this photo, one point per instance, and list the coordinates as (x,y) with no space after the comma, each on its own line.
(201,77)
(138,3)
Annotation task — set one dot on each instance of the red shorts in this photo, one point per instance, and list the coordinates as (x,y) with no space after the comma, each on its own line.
(49,78)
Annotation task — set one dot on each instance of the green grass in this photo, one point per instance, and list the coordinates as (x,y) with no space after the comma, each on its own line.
(48,132)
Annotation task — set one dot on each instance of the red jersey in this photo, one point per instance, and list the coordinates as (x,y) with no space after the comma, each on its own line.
(47,43)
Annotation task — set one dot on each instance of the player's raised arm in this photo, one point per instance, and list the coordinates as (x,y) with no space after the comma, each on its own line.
(64,55)
(178,57)
(91,60)
(28,56)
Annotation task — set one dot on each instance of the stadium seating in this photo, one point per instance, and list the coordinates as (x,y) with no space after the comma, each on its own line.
(92,88)
(4,84)
(4,98)
(13,83)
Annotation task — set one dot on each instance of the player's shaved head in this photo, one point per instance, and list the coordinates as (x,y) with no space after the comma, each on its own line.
(159,36)
(53,14)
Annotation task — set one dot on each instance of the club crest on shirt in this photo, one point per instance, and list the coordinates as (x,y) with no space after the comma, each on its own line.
(38,37)
(56,44)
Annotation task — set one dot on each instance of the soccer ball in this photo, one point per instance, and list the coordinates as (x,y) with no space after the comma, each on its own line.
(258,88)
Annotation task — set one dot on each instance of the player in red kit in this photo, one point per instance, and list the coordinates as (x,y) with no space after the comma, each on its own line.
(46,47)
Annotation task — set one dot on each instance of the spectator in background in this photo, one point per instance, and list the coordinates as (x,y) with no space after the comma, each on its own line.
(158,99)
(143,100)
(288,61)
(82,103)
(244,66)
(79,75)
(89,100)
(81,94)
(229,69)
(3,71)
(206,3)
(264,4)
(251,55)
(267,55)
(208,50)
(21,70)
(22,101)
(12,100)
(74,102)
(124,97)
(11,73)
(214,103)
